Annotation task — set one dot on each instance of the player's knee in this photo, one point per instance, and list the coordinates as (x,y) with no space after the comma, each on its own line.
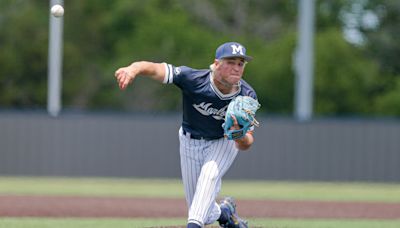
(212,171)
(213,177)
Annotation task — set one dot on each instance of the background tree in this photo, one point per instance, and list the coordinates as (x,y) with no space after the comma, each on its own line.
(356,71)
(23,54)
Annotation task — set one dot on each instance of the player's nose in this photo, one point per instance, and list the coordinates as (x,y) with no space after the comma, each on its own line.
(236,67)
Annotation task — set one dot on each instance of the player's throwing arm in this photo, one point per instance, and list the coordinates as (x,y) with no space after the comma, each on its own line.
(126,75)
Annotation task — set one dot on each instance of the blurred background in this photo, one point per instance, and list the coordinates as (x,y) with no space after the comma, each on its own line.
(353,134)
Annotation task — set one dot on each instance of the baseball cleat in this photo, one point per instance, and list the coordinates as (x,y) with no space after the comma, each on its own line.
(228,208)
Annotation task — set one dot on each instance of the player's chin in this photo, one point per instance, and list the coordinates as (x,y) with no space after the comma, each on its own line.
(234,79)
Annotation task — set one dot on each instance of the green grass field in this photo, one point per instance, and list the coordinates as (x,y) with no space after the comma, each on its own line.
(173,189)
(131,223)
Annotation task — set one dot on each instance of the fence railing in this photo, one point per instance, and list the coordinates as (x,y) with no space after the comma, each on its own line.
(147,146)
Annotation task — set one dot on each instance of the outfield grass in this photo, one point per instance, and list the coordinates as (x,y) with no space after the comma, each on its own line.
(174,189)
(132,223)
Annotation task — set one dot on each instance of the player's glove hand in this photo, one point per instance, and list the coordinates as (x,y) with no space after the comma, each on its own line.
(243,108)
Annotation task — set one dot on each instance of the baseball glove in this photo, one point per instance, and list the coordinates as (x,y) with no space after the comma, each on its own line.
(244,109)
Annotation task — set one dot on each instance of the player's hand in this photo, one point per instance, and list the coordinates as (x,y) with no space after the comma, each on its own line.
(245,142)
(124,76)
(235,125)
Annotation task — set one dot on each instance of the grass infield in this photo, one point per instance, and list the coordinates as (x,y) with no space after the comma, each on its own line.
(55,186)
(172,188)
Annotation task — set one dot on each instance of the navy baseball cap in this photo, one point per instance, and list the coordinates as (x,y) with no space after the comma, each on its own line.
(232,49)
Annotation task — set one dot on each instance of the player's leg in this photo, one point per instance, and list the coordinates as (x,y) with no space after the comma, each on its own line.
(220,156)
(191,159)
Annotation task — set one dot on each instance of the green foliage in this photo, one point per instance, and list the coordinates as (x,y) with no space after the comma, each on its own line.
(101,35)
(389,103)
(345,81)
(271,74)
(23,54)
(382,42)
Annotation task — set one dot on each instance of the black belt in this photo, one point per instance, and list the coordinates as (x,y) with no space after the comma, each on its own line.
(201,137)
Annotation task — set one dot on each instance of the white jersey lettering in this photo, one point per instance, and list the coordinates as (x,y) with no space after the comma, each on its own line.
(205,109)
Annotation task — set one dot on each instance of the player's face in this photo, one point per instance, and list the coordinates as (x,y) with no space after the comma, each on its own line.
(231,69)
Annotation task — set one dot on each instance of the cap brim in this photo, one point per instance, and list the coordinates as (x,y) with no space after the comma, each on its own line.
(247,58)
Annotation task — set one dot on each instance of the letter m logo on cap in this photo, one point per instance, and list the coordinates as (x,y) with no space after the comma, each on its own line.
(237,49)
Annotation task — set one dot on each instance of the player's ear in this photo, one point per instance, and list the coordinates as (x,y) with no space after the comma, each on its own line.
(213,66)
(217,62)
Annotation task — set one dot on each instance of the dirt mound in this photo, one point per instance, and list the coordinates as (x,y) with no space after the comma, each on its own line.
(56,206)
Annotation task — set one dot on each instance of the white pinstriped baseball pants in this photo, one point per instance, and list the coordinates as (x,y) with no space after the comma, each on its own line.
(203,164)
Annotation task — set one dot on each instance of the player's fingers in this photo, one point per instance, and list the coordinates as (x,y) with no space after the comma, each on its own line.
(119,75)
(121,79)
(235,123)
(126,82)
(234,120)
(118,72)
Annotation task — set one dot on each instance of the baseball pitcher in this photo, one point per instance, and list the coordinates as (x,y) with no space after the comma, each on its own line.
(218,120)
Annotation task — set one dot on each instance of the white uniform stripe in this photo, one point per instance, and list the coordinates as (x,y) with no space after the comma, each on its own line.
(166,73)
(190,165)
(191,168)
(190,171)
(195,168)
(203,165)
(168,78)
(171,75)
(225,157)
(197,154)
(185,166)
(216,158)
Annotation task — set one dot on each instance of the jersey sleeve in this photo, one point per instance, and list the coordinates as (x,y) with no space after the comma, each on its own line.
(247,90)
(177,75)
(253,94)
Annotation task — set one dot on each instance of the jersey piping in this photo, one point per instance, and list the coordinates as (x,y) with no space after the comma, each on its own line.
(221,95)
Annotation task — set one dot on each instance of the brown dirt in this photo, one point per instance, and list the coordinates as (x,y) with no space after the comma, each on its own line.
(56,206)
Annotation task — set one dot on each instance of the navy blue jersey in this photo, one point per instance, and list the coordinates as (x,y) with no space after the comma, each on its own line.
(204,106)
